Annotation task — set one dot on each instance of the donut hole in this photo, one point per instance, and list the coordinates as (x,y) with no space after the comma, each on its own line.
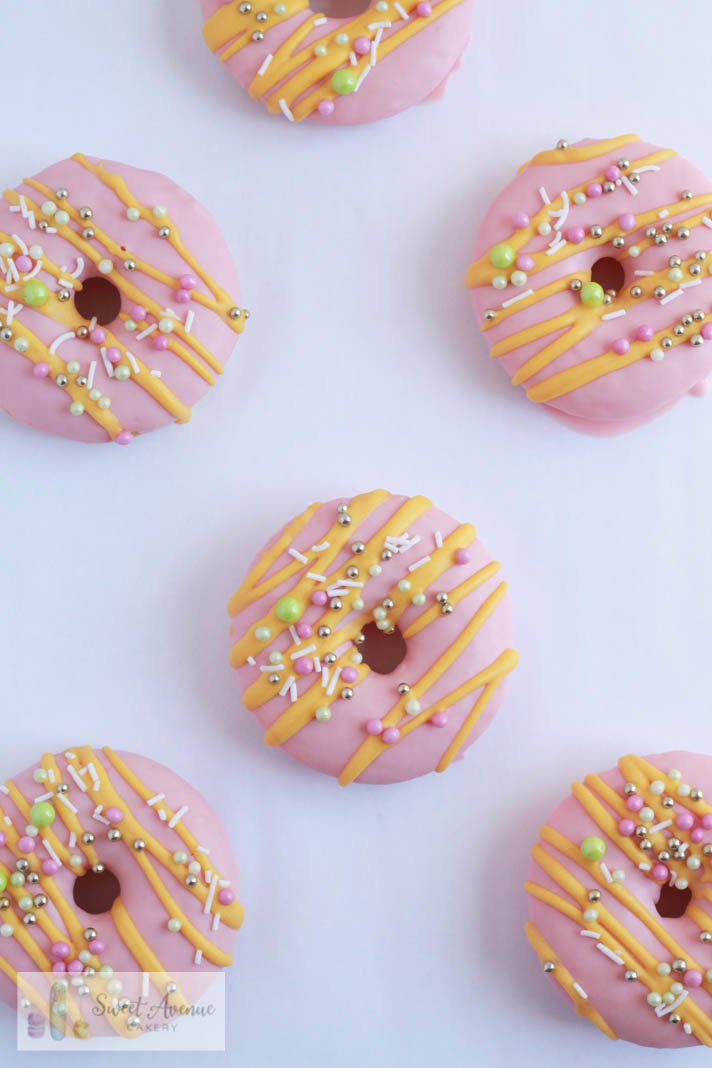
(381,651)
(98,299)
(609,274)
(672,903)
(343,9)
(96,891)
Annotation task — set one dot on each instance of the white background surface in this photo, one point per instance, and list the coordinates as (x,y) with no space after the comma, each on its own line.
(384,924)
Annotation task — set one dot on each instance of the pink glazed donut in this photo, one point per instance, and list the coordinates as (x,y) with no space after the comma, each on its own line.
(372,638)
(119,301)
(301,64)
(116,877)
(591,281)
(620,911)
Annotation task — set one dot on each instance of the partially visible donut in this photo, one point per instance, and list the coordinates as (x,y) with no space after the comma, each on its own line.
(301,64)
(372,638)
(591,281)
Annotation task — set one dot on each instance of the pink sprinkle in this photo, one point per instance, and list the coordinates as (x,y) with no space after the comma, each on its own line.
(626,827)
(304,665)
(659,873)
(644,333)
(706,820)
(349,674)
(612,173)
(326,107)
(595,189)
(697,834)
(137,312)
(98,336)
(373,726)
(226,896)
(187,281)
(60,950)
(97,946)
(692,977)
(525,263)
(50,867)
(627,221)
(26,844)
(23,264)
(113,355)
(621,346)
(439,719)
(391,734)
(40,370)
(160,342)
(59,967)
(634,803)
(75,966)
(575,234)
(124,437)
(423,9)
(182,296)
(462,556)
(114,814)
(304,630)
(362,45)
(521,219)
(684,820)
(706,331)
(319,597)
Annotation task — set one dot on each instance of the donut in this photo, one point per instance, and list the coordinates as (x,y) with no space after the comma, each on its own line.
(111,865)
(116,312)
(301,64)
(591,282)
(372,637)
(620,909)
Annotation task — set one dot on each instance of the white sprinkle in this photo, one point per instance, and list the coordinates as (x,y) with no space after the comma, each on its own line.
(555,246)
(106,361)
(43,797)
(615,314)
(149,330)
(648,167)
(687,1028)
(707,221)
(189,321)
(374,46)
(324,677)
(580,991)
(563,214)
(643,274)
(352,584)
(4,789)
(216,921)
(317,664)
(198,956)
(544,195)
(50,775)
(14,208)
(438,539)
(66,802)
(643,866)
(251,660)
(419,563)
(285,109)
(90,376)
(629,186)
(590,934)
(319,22)
(673,877)
(606,874)
(337,591)
(224,882)
(155,799)
(265,64)
(683,849)
(76,778)
(157,374)
(14,310)
(72,840)
(519,296)
(671,296)
(98,816)
(295,637)
(297,555)
(378,25)
(145,981)
(65,284)
(320,548)
(211,894)
(361,77)
(202,849)
(50,851)
(352,58)
(293,695)
(663,1010)
(403,14)
(689,285)
(663,214)
(12,272)
(285,689)
(92,772)
(162,814)
(659,826)
(274,667)
(609,953)
(177,816)
(34,272)
(334,679)
(301,652)
(79,267)
(8,821)
(20,242)
(316,576)
(132,361)
(10,289)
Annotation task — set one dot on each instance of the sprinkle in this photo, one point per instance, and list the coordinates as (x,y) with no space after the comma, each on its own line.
(320,548)
(659,826)
(72,840)
(629,186)
(687,1028)
(251,660)
(92,372)
(519,296)
(334,680)
(43,797)
(563,214)
(295,637)
(643,274)
(580,991)
(663,1010)
(198,956)
(378,25)
(34,272)
(79,268)
(555,245)
(609,953)
(648,167)
(293,694)
(132,361)
(663,214)
(190,316)
(276,667)
(145,333)
(224,882)
(285,109)
(265,64)
(285,689)
(615,314)
(362,76)
(4,789)
(606,874)
(76,778)
(154,800)
(92,773)
(590,934)
(50,851)
(689,285)
(98,816)
(438,540)
(324,677)
(12,271)
(216,921)
(50,775)
(294,656)
(177,816)
(403,14)
(643,866)
(316,576)
(544,195)
(317,664)
(671,296)
(419,563)
(210,895)
(374,46)
(202,849)
(319,22)
(162,814)
(65,284)
(353,59)
(66,802)
(8,821)
(683,849)
(342,585)
(707,221)
(144,984)
(14,309)
(297,555)
(157,374)
(107,362)
(20,242)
